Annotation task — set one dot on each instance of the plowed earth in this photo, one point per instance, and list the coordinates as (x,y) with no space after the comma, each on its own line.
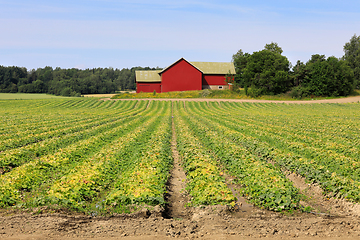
(330,219)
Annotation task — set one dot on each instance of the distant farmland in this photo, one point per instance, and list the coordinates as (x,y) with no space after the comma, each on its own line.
(22,96)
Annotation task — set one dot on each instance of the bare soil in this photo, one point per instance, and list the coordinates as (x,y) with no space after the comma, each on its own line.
(331,219)
(206,223)
(176,197)
(322,204)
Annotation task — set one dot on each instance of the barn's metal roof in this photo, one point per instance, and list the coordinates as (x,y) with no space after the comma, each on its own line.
(204,67)
(148,76)
(215,67)
(175,63)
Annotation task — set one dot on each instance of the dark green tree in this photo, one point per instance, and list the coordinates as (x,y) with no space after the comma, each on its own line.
(352,57)
(10,78)
(298,73)
(240,61)
(267,72)
(273,47)
(322,77)
(328,77)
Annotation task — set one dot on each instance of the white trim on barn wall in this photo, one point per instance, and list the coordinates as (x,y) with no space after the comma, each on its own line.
(215,87)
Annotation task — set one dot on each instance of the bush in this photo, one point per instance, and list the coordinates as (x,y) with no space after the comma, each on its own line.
(205,93)
(254,92)
(299,92)
(66,92)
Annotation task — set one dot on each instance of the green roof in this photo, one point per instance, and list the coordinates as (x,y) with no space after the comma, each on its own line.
(148,76)
(204,67)
(214,67)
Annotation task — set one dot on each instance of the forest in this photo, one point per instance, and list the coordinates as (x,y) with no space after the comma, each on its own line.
(67,82)
(268,72)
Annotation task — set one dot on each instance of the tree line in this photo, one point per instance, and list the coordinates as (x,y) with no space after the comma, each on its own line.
(268,72)
(67,82)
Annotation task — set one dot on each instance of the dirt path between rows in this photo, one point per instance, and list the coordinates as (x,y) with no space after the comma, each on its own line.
(335,100)
(176,197)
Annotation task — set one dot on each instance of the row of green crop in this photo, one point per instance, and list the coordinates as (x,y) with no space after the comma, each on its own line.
(56,130)
(36,124)
(318,135)
(143,180)
(261,182)
(108,166)
(340,163)
(115,161)
(51,167)
(205,183)
(16,157)
(44,121)
(322,147)
(336,173)
(117,154)
(324,150)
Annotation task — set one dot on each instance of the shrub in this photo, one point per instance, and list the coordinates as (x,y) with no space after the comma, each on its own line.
(299,92)
(205,93)
(254,92)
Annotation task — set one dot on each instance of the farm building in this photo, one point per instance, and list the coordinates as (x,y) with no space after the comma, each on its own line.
(185,76)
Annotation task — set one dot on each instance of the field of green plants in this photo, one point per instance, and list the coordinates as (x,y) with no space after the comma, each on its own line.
(111,156)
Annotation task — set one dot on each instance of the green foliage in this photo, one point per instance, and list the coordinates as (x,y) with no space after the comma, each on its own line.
(229,77)
(240,61)
(298,73)
(80,161)
(205,93)
(254,92)
(307,209)
(352,57)
(322,77)
(205,184)
(263,184)
(10,77)
(299,92)
(246,89)
(273,47)
(267,72)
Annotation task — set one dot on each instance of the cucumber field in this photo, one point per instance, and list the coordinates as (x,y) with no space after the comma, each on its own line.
(109,158)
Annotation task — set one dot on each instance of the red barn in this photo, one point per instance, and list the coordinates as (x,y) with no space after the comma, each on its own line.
(185,76)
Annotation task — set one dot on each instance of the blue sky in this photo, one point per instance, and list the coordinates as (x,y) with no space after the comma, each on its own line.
(123,34)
